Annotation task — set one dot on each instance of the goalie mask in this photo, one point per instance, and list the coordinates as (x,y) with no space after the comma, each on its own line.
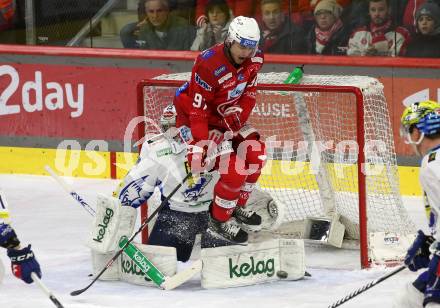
(425,116)
(245,31)
(168,118)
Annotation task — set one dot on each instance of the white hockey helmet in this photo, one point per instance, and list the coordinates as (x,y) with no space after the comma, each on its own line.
(168,117)
(245,31)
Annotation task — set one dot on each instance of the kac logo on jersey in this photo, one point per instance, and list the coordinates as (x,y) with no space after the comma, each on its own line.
(130,194)
(240,77)
(202,83)
(195,191)
(219,70)
(207,54)
(237,91)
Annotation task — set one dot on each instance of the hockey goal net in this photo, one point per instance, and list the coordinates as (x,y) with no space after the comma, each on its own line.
(330,148)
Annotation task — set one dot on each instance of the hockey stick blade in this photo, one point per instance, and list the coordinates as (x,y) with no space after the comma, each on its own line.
(109,263)
(143,225)
(52,297)
(366,287)
(183,276)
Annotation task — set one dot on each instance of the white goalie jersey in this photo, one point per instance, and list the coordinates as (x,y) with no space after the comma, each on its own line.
(162,164)
(430,180)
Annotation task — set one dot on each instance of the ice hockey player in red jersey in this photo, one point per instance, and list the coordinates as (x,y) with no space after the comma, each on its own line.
(218,99)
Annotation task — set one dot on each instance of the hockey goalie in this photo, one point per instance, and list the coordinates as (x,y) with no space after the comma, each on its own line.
(161,167)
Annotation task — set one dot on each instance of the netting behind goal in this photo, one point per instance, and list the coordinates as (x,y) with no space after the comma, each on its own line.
(318,134)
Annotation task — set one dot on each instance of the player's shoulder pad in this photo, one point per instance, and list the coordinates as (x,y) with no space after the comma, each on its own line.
(156,146)
(154,139)
(206,54)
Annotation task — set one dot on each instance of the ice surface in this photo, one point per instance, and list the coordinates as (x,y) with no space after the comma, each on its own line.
(56,226)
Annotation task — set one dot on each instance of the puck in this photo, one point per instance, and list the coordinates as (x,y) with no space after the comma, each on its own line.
(282,274)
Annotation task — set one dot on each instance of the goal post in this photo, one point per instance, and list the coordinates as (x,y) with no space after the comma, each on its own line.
(330,148)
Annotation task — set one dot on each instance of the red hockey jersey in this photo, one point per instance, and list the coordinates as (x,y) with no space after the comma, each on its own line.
(216,85)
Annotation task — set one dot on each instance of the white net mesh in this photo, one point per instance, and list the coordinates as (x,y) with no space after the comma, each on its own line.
(311,139)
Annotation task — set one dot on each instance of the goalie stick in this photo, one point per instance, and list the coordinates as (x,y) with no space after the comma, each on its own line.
(70,191)
(143,225)
(366,287)
(43,287)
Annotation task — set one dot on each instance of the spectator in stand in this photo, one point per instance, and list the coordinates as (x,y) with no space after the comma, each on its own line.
(238,8)
(164,31)
(215,30)
(130,32)
(328,36)
(7,14)
(184,9)
(405,12)
(426,40)
(379,37)
(12,26)
(402,12)
(301,11)
(279,34)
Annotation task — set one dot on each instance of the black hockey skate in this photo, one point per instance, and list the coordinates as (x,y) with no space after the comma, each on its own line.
(228,231)
(249,220)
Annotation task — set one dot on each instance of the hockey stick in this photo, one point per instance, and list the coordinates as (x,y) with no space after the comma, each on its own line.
(143,225)
(70,191)
(40,284)
(366,287)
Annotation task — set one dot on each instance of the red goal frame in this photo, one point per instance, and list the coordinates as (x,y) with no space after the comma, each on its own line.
(363,237)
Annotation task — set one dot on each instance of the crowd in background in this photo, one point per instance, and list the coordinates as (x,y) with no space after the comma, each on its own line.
(329,27)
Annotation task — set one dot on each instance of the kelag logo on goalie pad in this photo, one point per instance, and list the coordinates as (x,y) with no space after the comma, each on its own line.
(103,226)
(129,267)
(253,268)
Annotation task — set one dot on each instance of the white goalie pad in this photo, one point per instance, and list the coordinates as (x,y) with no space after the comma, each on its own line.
(99,261)
(111,222)
(388,247)
(164,258)
(263,204)
(233,266)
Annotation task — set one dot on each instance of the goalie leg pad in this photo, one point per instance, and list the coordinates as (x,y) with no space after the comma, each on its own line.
(111,222)
(271,260)
(164,258)
(99,261)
